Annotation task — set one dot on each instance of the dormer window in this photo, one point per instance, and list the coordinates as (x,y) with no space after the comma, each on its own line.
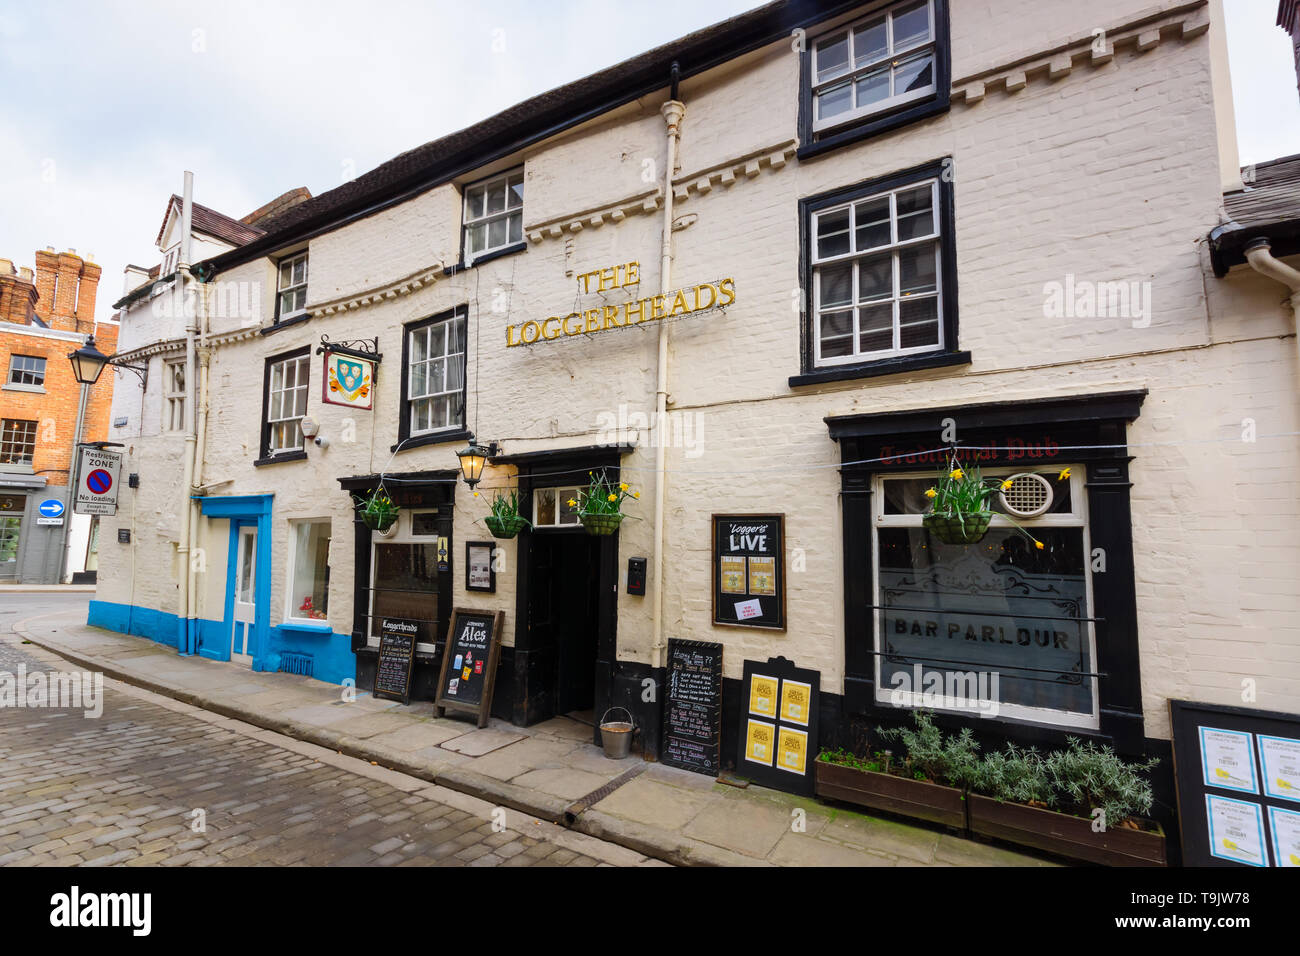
(291,287)
(494,215)
(170,260)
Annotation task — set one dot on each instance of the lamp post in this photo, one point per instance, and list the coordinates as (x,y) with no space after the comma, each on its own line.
(473,458)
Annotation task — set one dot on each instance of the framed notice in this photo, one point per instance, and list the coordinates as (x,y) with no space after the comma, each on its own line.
(469,663)
(749,571)
(479,573)
(1237,771)
(779,725)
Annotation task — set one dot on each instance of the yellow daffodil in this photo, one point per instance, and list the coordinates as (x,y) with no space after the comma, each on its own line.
(1038,545)
(476,494)
(1006,485)
(613,497)
(572,503)
(623,485)
(956,474)
(931,493)
(636,494)
(1065,473)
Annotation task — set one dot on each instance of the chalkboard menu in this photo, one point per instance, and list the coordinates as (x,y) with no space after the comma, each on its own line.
(396,655)
(779,725)
(693,706)
(469,663)
(1238,776)
(749,570)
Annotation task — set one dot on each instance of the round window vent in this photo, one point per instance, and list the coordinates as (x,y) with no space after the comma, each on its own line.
(1028,497)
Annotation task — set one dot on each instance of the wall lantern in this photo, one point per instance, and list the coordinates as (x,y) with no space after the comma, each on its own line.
(473,458)
(88,363)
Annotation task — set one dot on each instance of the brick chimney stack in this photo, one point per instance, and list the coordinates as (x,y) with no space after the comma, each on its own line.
(17,294)
(66,285)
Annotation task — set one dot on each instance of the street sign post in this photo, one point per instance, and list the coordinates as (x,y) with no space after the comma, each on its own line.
(97,480)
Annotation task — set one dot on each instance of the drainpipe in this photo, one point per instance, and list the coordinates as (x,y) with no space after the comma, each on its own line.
(672,111)
(1262,261)
(191,438)
(200,446)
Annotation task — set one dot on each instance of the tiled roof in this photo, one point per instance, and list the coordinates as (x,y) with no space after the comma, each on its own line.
(1268,208)
(212,223)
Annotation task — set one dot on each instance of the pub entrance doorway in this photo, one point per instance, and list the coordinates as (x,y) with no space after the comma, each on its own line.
(563,618)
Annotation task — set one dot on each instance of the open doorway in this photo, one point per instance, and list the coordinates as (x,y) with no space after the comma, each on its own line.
(563,619)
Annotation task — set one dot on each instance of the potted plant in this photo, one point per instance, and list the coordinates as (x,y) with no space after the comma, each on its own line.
(1083,802)
(927,784)
(378,511)
(959,506)
(505,521)
(600,505)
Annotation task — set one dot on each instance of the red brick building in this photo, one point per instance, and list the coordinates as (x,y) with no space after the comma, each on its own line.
(43,316)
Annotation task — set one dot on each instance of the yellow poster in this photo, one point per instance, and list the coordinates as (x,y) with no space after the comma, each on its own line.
(759,742)
(762,696)
(762,576)
(792,750)
(796,701)
(733,574)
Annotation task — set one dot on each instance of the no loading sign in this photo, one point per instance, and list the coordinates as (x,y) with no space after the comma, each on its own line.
(98,472)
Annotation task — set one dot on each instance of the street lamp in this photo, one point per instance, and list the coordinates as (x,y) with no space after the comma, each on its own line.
(88,363)
(472,460)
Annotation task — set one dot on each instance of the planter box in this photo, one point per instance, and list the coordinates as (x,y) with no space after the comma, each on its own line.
(1065,835)
(882,791)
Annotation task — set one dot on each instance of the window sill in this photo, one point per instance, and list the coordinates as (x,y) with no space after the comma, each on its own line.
(278,325)
(303,626)
(435,438)
(284,456)
(893,366)
(16,387)
(483,257)
(874,127)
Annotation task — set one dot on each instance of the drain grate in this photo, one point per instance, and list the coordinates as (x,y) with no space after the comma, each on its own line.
(575,809)
(296,664)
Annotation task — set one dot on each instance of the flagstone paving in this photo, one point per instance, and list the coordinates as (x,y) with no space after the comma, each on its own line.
(545,771)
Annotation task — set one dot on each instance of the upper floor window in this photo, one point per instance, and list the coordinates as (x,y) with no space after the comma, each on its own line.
(174,396)
(291,286)
(494,214)
(286,403)
(434,379)
(880,271)
(17,441)
(27,370)
(889,68)
(171,259)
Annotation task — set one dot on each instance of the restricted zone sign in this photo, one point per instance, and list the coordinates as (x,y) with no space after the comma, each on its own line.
(97,474)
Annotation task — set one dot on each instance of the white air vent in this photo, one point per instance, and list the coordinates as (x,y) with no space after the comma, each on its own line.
(1029,496)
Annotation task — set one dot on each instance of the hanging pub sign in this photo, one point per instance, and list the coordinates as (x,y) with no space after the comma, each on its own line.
(350,372)
(749,570)
(778,725)
(693,706)
(469,663)
(396,657)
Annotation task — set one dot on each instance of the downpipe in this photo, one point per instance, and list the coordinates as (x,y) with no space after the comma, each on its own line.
(184,642)
(1260,257)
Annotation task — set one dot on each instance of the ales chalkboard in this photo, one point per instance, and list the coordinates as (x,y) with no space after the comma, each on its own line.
(396,655)
(693,706)
(469,663)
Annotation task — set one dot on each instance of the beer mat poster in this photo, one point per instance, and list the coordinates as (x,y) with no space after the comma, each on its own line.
(779,725)
(1237,772)
(397,638)
(749,571)
(469,663)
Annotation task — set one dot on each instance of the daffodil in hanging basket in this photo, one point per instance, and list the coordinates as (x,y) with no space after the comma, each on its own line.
(505,521)
(600,505)
(959,506)
(378,512)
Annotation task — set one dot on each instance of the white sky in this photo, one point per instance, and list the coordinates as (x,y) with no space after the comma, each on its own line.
(104,104)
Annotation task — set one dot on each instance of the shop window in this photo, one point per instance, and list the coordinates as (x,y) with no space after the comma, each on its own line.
(17,441)
(1001,621)
(494,215)
(434,376)
(291,288)
(174,396)
(27,371)
(404,577)
(285,404)
(879,272)
(309,571)
(11,526)
(875,74)
(551,508)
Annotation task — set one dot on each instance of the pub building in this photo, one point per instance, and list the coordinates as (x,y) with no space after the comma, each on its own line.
(775,277)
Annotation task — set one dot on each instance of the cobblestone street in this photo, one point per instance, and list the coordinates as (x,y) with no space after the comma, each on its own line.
(124,789)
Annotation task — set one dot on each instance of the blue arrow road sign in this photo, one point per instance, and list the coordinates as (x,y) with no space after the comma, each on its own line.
(51,507)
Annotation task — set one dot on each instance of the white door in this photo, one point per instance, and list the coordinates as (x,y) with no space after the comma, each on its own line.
(241,637)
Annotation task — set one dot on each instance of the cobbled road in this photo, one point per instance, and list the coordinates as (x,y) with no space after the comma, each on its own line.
(123,789)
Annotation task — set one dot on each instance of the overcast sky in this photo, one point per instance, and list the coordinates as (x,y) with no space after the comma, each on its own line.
(103,105)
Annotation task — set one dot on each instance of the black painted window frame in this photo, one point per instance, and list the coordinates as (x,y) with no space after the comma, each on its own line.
(946,354)
(264,456)
(813,144)
(404,437)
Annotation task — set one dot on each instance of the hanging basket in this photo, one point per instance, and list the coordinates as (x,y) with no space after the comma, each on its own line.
(601,524)
(951,529)
(378,520)
(505,527)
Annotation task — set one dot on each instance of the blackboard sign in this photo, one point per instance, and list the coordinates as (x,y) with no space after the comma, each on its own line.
(469,663)
(778,725)
(693,706)
(1238,776)
(749,570)
(396,655)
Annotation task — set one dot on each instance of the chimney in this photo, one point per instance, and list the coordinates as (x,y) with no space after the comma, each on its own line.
(90,273)
(17,294)
(47,268)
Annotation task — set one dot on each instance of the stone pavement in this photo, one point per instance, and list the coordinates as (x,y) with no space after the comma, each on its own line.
(544,771)
(151,781)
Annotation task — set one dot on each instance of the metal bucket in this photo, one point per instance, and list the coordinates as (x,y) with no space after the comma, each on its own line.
(616,735)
